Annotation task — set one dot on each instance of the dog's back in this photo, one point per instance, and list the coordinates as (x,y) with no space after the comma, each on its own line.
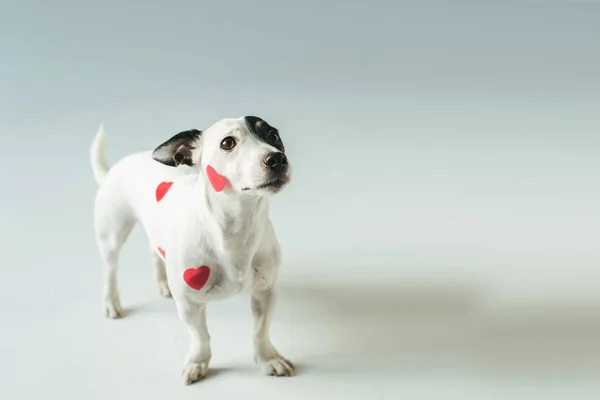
(129,187)
(127,194)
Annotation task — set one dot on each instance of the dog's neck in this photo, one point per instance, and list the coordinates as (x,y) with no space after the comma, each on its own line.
(235,222)
(232,212)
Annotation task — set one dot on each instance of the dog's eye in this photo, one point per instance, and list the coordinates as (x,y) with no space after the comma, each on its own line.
(228,143)
(274,136)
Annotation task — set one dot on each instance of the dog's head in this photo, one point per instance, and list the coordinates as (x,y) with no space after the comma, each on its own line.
(244,155)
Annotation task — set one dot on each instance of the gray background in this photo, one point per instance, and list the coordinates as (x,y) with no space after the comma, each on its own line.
(444,156)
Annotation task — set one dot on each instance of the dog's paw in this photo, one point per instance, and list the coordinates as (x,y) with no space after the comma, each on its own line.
(113,309)
(194,371)
(277,366)
(163,289)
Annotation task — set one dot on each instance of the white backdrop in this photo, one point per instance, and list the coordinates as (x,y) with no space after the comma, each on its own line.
(440,236)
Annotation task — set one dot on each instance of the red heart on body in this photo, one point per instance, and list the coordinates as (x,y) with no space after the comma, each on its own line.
(196,278)
(217,181)
(162,189)
(162,252)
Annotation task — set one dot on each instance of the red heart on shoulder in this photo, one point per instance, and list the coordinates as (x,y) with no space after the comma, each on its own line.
(196,278)
(162,189)
(162,252)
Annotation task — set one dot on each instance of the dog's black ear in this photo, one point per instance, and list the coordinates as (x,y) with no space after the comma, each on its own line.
(178,149)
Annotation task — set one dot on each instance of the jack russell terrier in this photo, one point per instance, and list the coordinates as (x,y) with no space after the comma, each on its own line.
(202,199)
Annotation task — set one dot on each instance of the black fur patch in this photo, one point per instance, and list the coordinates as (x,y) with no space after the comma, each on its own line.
(264,132)
(178,149)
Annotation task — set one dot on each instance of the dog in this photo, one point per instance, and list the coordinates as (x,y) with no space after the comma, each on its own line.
(202,198)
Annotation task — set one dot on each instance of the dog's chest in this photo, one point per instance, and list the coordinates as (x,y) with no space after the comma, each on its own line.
(208,252)
(213,267)
(208,259)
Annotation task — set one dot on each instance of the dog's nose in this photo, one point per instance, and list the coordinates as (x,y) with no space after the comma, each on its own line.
(276,161)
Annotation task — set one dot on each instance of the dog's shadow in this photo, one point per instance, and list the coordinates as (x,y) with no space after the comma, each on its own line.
(425,324)
(378,320)
(436,325)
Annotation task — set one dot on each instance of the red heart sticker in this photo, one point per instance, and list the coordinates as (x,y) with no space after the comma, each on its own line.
(162,252)
(196,278)
(162,189)
(217,180)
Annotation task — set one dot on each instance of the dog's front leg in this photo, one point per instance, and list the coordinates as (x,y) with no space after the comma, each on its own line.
(265,354)
(196,363)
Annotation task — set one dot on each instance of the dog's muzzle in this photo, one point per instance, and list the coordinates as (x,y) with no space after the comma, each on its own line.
(276,162)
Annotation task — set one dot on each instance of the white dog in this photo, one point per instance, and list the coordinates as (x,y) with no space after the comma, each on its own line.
(202,198)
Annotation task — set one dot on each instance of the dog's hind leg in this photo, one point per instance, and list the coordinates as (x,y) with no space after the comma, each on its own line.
(111,233)
(160,274)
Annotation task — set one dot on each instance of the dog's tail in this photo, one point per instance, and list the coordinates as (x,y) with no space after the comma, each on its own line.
(98,156)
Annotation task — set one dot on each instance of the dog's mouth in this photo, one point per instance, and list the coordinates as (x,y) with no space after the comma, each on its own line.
(272,185)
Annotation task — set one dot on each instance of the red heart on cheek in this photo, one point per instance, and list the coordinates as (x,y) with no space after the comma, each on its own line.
(196,278)
(217,181)
(162,189)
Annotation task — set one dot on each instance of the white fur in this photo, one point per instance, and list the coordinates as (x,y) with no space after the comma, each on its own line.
(229,231)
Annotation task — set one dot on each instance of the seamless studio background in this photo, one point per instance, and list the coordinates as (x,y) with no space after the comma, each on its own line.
(440,236)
